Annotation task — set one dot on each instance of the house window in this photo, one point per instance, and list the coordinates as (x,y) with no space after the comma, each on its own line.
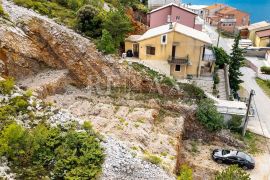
(150,50)
(177,67)
(177,18)
(230,24)
(164,39)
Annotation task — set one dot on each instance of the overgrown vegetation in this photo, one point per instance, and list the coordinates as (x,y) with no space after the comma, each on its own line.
(185,173)
(51,152)
(235,123)
(265,85)
(152,158)
(222,57)
(232,173)
(252,142)
(265,70)
(6,86)
(40,151)
(90,18)
(208,115)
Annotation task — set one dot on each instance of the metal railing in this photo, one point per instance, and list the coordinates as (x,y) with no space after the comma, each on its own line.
(178,60)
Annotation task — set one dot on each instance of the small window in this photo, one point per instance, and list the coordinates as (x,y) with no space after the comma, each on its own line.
(150,50)
(177,67)
(164,39)
(230,24)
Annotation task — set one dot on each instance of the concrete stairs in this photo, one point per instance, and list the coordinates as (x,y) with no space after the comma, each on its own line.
(221,86)
(205,83)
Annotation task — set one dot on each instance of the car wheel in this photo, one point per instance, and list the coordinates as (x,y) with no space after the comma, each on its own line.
(219,161)
(245,167)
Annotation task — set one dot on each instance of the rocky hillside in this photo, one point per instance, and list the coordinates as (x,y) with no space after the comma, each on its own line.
(142,128)
(31,43)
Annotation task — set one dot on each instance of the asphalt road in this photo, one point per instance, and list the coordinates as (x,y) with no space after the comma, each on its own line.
(261,100)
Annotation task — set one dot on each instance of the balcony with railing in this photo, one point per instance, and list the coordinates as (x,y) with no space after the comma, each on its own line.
(179,60)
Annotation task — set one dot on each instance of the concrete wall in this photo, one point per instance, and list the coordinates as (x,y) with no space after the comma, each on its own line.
(160,17)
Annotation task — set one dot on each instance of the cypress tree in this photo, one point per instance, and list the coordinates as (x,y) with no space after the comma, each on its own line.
(236,61)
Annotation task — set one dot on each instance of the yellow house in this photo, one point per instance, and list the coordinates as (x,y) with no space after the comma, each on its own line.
(262,38)
(253,28)
(184,49)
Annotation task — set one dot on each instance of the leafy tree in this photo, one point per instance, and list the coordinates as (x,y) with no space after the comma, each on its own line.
(221,56)
(106,43)
(208,115)
(185,173)
(90,21)
(236,61)
(120,29)
(232,173)
(46,151)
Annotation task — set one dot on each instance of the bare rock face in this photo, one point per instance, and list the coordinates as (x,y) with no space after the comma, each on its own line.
(32,42)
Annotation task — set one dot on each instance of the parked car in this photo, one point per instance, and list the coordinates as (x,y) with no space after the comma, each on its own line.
(233,157)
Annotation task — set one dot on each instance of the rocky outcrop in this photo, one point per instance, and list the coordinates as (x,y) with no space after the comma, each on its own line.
(31,43)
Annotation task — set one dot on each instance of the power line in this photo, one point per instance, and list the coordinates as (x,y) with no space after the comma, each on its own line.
(266,141)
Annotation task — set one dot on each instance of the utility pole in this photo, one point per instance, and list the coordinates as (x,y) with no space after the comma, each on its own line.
(252,93)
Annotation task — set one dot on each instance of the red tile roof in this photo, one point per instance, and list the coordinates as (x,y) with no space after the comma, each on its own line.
(264,33)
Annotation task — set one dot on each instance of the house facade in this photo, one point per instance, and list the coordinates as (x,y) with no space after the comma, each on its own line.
(184,49)
(172,13)
(262,38)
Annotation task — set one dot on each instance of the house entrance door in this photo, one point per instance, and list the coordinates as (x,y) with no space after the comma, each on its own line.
(173,52)
(135,50)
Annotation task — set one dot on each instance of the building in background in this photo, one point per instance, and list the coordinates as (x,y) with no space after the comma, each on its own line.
(173,13)
(198,9)
(262,38)
(153,4)
(257,33)
(209,13)
(227,18)
(183,51)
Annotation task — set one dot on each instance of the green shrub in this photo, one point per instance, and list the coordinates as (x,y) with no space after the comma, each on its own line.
(192,91)
(6,86)
(235,123)
(152,158)
(185,173)
(265,70)
(168,81)
(208,115)
(20,103)
(106,44)
(216,78)
(52,152)
(232,173)
(222,57)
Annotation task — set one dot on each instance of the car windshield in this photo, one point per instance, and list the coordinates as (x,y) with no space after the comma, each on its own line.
(224,152)
(244,156)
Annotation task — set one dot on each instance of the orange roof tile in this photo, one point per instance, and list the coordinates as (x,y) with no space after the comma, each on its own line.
(214,6)
(226,10)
